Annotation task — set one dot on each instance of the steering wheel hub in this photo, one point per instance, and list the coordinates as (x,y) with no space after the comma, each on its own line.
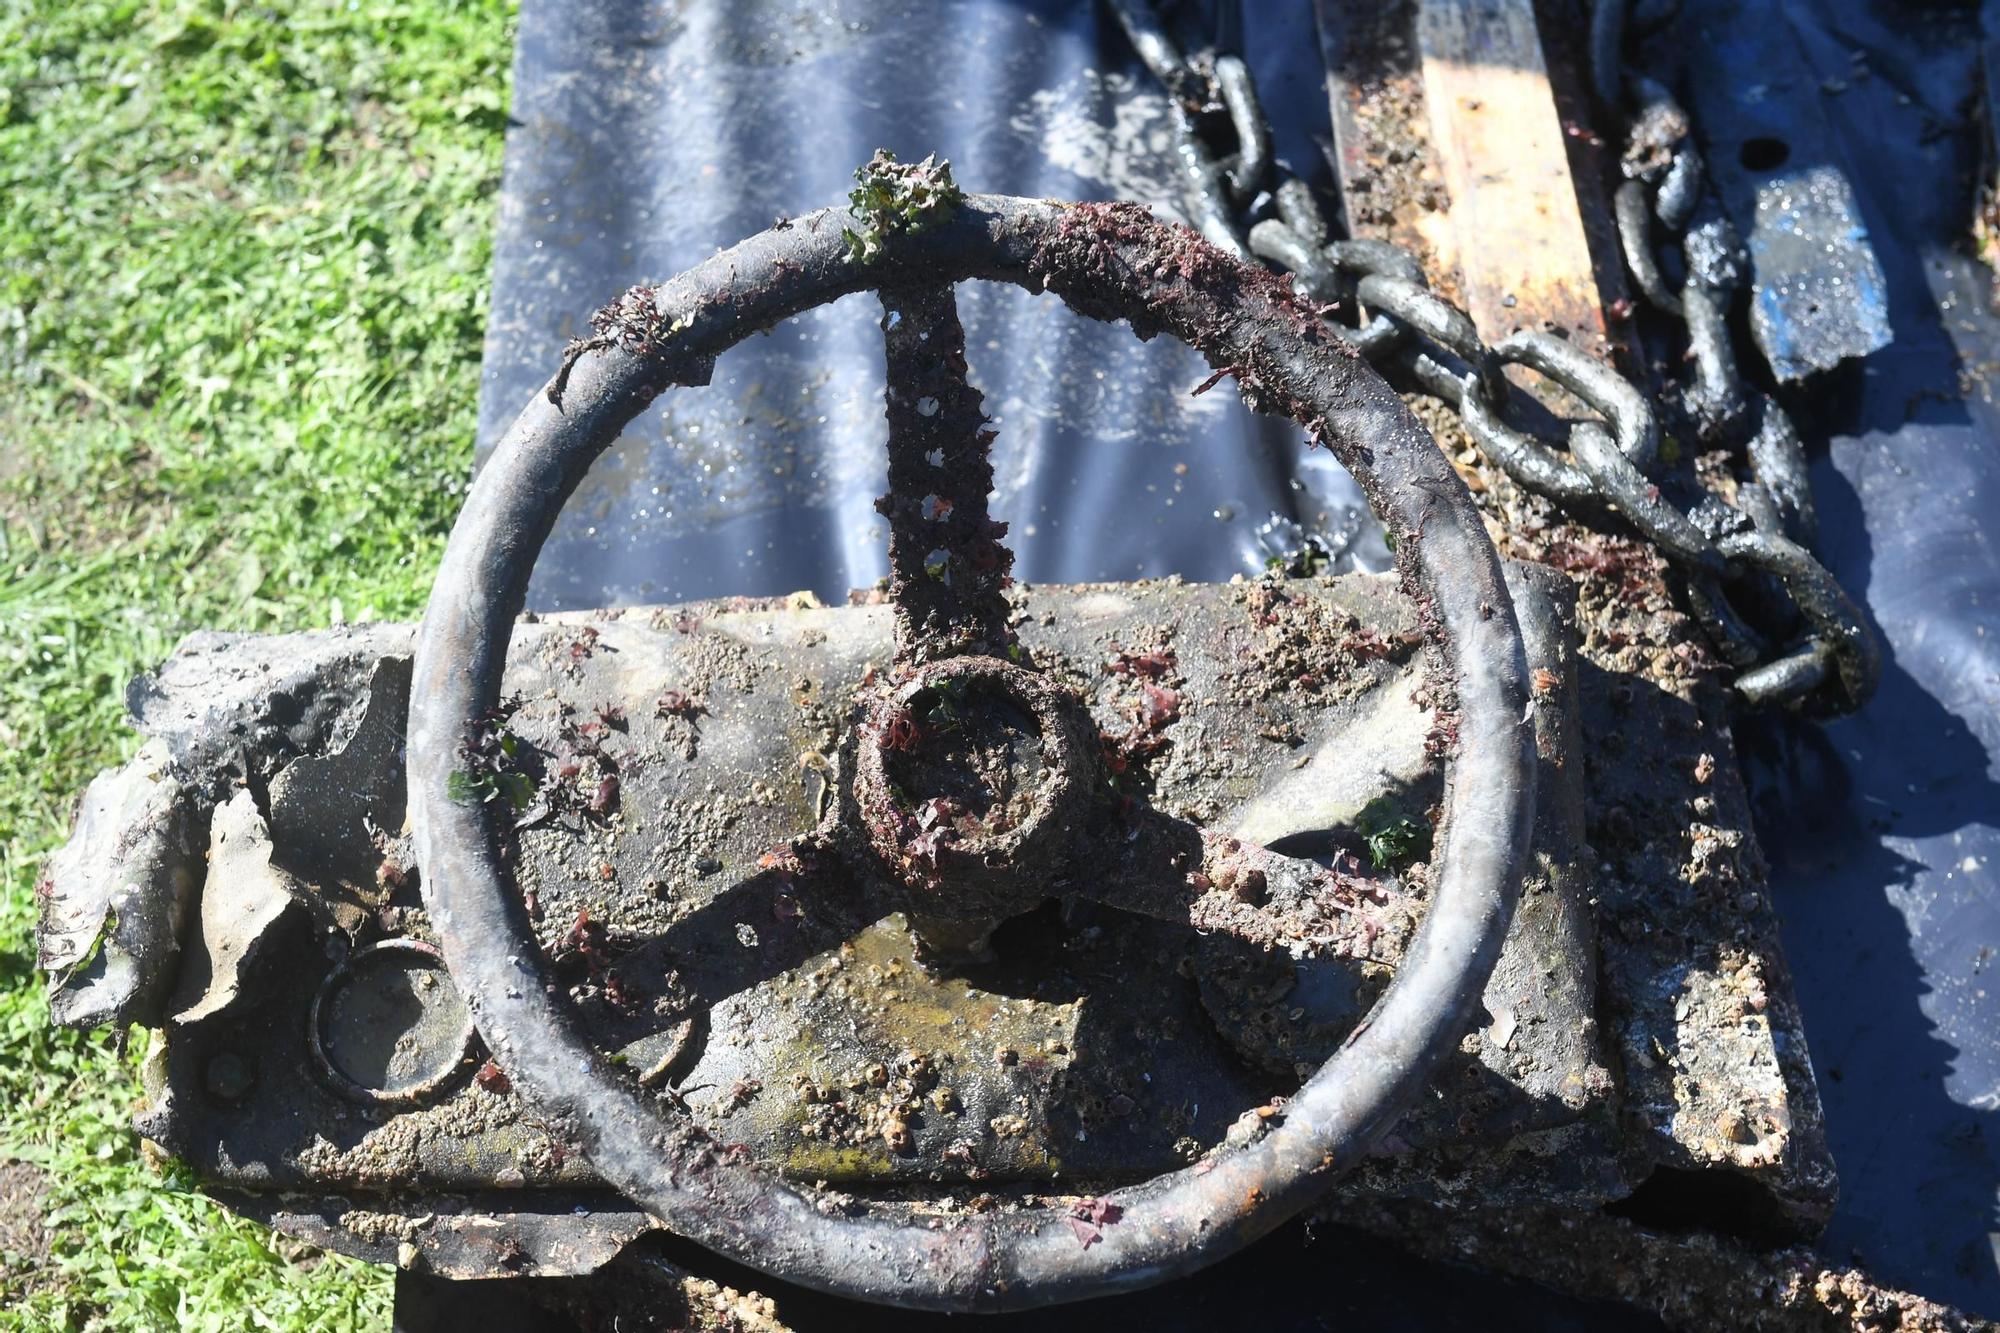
(974,778)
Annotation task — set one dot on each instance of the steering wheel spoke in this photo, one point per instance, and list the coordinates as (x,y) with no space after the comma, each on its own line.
(802,900)
(948,567)
(1171,870)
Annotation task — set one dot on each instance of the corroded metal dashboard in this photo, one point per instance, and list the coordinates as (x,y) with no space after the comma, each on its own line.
(315,1060)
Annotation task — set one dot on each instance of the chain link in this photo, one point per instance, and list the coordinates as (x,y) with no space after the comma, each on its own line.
(1814,651)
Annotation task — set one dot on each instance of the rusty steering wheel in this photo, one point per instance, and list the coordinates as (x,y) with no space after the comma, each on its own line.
(1108,262)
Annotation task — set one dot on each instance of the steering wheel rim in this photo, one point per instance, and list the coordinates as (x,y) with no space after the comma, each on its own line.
(1108,262)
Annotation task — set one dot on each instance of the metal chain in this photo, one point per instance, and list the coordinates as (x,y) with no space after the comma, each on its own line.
(1812,650)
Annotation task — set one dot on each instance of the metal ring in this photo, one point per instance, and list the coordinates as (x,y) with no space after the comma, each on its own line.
(1435,318)
(1596,385)
(1619,481)
(1787,679)
(1717,392)
(1735,641)
(1209,200)
(1364,255)
(1315,274)
(1531,463)
(1372,341)
(1253,133)
(1841,633)
(1301,211)
(1537,466)
(1605,468)
(398,1098)
(1658,127)
(1635,237)
(1312,272)
(1680,188)
(1107,261)
(983,877)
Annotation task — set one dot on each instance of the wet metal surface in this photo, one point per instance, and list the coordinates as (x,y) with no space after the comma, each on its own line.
(1525,1121)
(808,1001)
(1818,293)
(303,1060)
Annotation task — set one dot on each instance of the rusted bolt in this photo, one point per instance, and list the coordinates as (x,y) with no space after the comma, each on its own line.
(1249,887)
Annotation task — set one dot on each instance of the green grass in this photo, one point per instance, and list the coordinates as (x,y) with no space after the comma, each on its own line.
(243,275)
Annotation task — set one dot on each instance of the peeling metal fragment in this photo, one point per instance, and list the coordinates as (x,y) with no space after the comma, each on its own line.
(223,711)
(116,895)
(1819,295)
(244,897)
(237,707)
(330,814)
